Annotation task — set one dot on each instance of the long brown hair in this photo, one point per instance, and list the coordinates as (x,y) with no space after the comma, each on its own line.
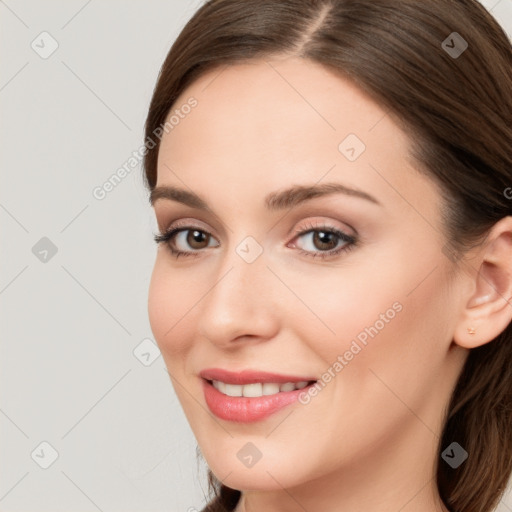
(457,110)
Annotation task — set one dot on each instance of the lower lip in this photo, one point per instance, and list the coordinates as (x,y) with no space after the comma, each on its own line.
(243,409)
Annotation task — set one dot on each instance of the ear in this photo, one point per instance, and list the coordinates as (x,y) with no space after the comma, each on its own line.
(488,310)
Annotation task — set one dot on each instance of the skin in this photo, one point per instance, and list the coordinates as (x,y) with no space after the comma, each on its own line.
(368,440)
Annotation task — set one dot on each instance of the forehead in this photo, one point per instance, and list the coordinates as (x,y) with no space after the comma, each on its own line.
(267,101)
(267,123)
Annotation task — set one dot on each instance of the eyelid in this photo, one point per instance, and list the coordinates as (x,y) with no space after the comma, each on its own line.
(186,223)
(206,221)
(317,224)
(312,224)
(342,235)
(350,241)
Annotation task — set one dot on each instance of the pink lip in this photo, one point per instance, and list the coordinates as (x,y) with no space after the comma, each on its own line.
(244,409)
(249,376)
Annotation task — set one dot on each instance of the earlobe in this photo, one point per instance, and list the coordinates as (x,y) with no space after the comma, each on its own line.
(488,311)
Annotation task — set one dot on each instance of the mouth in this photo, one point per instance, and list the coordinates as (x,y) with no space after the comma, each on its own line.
(253,401)
(257,389)
(249,376)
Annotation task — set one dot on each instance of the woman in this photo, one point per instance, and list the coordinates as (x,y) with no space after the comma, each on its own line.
(332,289)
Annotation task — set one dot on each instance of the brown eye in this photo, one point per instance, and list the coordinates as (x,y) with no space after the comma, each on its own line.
(188,240)
(196,238)
(324,240)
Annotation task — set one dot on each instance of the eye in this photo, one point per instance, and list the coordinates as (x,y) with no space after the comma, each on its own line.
(190,240)
(324,241)
(190,236)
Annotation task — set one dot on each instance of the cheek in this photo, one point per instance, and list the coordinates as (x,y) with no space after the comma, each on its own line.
(396,310)
(346,307)
(171,302)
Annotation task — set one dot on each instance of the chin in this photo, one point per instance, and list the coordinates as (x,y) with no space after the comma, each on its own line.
(267,474)
(256,480)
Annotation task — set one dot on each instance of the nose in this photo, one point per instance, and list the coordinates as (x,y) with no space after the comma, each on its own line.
(241,304)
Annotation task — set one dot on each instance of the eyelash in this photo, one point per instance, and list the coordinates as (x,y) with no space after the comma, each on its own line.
(351,241)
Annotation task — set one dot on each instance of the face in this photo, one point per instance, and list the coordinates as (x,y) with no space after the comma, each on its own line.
(350,288)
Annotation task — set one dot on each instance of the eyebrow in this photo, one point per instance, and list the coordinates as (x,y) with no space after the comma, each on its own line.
(274,201)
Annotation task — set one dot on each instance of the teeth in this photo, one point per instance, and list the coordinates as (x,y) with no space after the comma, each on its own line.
(233,390)
(252,389)
(257,389)
(270,389)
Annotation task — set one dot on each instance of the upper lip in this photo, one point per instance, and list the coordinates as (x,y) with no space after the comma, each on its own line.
(250,376)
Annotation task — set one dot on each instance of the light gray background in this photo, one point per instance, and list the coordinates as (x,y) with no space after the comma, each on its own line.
(69,375)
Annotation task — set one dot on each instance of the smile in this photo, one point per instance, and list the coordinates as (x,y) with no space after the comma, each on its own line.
(257,389)
(248,402)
